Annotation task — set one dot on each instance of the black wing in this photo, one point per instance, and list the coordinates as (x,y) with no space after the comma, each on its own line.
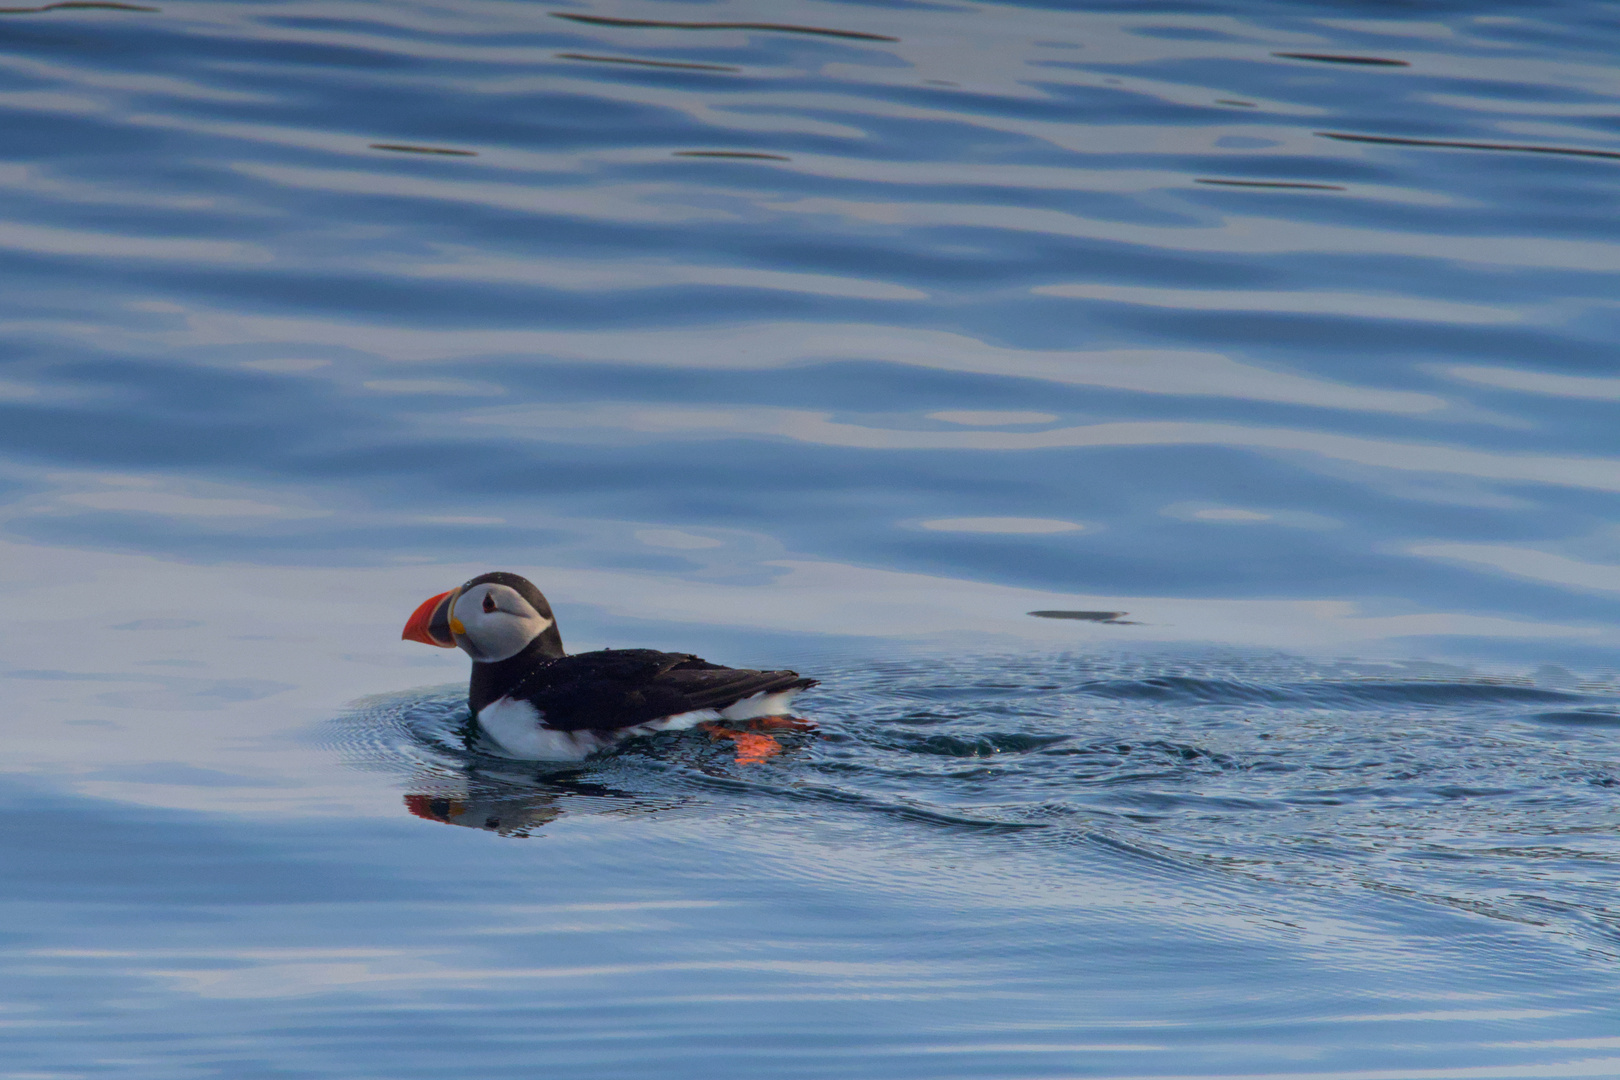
(618,688)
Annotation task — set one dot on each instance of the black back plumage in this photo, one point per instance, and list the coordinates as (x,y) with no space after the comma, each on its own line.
(619,688)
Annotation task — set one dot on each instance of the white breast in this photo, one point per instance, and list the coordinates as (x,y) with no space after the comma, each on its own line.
(513,727)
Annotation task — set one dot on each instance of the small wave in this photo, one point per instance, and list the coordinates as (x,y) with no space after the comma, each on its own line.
(1327,693)
(1580,717)
(989,744)
(639,62)
(669,24)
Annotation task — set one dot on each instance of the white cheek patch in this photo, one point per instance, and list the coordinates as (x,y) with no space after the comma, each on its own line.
(502,635)
(492,636)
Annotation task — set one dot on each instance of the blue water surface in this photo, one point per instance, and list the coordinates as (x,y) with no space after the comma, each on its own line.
(1264,349)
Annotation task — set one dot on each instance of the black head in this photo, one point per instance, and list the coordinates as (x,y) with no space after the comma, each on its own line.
(518,584)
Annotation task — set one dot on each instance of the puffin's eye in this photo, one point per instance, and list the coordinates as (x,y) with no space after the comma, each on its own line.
(489,603)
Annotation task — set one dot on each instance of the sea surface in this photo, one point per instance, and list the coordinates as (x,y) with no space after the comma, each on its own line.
(1180,436)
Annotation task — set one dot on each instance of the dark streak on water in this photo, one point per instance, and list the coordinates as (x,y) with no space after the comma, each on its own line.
(742,155)
(1392,140)
(781,28)
(405,149)
(77,5)
(1269,184)
(1367,61)
(1083,616)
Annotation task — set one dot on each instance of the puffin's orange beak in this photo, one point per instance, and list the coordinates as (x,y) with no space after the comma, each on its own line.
(430,623)
(432,807)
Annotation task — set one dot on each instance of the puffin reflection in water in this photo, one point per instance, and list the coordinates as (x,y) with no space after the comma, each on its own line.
(518,817)
(518,806)
(533,701)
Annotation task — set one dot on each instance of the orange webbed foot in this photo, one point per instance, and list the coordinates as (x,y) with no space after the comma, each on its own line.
(753,747)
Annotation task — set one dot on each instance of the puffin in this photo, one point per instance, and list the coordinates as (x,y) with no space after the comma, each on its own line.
(534,702)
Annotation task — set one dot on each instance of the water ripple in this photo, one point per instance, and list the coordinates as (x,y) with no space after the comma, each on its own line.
(1418,787)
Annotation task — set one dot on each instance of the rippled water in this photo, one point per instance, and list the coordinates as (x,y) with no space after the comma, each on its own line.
(1490,797)
(1262,349)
